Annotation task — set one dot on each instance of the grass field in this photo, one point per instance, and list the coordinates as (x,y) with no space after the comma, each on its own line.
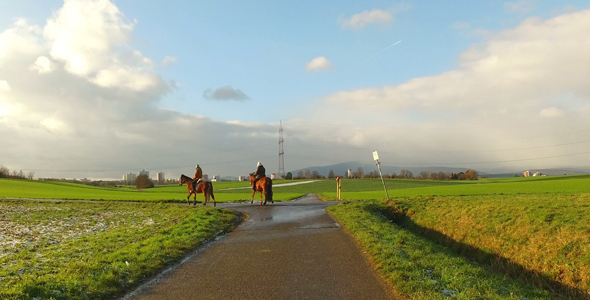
(10,188)
(83,250)
(508,238)
(531,235)
(360,190)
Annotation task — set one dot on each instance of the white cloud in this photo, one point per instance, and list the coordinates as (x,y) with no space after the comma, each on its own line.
(4,86)
(360,20)
(53,125)
(534,62)
(551,112)
(318,64)
(522,6)
(91,38)
(128,78)
(43,65)
(169,60)
(502,89)
(20,40)
(83,33)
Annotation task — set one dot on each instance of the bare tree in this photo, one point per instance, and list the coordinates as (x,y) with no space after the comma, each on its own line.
(143,182)
(307,174)
(471,175)
(360,172)
(4,172)
(406,174)
(30,175)
(315,175)
(299,175)
(331,175)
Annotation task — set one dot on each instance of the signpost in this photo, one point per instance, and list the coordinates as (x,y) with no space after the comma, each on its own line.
(338,188)
(376,158)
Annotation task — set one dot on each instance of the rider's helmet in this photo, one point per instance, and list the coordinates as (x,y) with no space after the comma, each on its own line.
(259,164)
(196,167)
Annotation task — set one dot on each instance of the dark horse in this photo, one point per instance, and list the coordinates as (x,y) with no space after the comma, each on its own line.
(204,187)
(263,185)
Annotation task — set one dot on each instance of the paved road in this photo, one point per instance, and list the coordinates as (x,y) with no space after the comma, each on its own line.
(287,250)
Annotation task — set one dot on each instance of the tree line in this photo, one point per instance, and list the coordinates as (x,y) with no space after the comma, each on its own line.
(404,173)
(5,173)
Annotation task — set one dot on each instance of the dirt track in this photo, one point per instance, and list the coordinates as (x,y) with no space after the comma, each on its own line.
(288,250)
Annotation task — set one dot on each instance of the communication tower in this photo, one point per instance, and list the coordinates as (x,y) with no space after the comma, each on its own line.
(281,172)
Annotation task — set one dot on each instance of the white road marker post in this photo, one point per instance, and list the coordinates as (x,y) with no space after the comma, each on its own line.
(376,158)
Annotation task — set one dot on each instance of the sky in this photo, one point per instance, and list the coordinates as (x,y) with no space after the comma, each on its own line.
(98,89)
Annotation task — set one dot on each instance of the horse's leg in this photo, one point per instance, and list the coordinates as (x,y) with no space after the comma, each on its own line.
(261,196)
(253,193)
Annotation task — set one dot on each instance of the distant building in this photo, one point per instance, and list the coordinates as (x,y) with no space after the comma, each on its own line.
(273,176)
(537,174)
(349,173)
(129,177)
(527,173)
(144,172)
(215,178)
(160,177)
(243,178)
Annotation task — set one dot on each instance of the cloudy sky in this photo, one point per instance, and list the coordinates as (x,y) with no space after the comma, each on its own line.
(101,88)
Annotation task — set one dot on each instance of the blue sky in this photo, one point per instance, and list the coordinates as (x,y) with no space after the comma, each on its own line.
(208,82)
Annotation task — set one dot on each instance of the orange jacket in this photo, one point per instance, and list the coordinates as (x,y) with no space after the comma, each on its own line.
(198,174)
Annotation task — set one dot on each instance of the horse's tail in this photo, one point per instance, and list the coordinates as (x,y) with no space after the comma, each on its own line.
(268,188)
(211,190)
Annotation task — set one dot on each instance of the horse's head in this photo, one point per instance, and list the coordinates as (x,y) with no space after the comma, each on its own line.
(183,179)
(251,178)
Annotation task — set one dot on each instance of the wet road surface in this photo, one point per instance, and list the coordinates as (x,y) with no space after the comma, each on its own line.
(286,250)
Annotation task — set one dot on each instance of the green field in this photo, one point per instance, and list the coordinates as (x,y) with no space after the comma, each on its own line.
(361,190)
(496,239)
(507,238)
(351,189)
(96,250)
(10,188)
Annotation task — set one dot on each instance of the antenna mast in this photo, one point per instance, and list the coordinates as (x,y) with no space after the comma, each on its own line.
(281,153)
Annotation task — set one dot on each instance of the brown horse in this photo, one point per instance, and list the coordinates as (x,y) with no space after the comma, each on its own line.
(263,185)
(203,187)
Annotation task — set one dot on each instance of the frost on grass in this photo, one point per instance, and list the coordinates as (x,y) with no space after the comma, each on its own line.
(32,225)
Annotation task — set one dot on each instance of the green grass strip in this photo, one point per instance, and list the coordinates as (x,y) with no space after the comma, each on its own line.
(420,268)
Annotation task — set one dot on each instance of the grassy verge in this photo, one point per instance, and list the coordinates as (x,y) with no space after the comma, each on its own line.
(539,239)
(421,268)
(76,250)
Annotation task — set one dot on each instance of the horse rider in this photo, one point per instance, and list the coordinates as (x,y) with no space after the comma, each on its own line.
(198,174)
(260,173)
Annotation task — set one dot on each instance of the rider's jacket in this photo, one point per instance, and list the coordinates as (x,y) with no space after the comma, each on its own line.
(198,173)
(260,172)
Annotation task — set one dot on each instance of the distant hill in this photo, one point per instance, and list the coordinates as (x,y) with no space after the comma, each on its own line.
(341,168)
